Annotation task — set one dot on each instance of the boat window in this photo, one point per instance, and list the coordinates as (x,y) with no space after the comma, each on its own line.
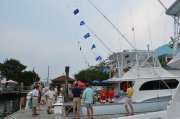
(159,84)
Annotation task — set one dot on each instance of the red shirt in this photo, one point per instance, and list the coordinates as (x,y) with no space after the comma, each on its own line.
(103,95)
(111,93)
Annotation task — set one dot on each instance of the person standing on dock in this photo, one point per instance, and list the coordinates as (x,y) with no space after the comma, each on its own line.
(128,99)
(39,96)
(43,99)
(76,91)
(50,95)
(88,96)
(35,100)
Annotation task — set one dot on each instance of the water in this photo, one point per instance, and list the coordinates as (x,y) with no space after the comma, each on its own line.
(9,105)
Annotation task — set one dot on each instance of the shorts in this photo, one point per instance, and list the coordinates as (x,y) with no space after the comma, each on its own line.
(88,105)
(34,102)
(128,101)
(43,98)
(49,102)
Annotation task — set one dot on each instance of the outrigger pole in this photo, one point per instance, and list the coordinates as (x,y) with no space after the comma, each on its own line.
(162,4)
(112,24)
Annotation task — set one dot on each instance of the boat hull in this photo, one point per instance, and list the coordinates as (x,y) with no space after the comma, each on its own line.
(118,108)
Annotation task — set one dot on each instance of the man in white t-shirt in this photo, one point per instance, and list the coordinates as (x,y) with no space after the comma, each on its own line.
(35,100)
(50,95)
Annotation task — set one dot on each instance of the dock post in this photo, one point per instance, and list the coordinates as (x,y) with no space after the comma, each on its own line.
(58,108)
(28,98)
(66,84)
(22,103)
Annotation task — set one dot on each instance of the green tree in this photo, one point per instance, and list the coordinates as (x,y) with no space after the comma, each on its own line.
(92,73)
(12,69)
(28,77)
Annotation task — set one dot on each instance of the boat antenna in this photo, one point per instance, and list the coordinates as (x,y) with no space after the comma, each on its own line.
(133,29)
(48,76)
(120,46)
(33,75)
(149,31)
(112,24)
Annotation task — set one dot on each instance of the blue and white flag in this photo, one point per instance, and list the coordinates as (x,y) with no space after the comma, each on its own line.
(82,23)
(104,70)
(76,11)
(93,46)
(87,35)
(98,58)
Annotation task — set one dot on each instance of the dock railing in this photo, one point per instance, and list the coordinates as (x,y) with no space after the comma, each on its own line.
(16,89)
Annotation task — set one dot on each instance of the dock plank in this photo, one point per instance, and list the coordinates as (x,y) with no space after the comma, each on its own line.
(27,114)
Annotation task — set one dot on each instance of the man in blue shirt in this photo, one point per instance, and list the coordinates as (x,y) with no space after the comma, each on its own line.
(88,96)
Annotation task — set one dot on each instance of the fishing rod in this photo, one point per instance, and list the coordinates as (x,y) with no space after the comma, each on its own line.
(133,29)
(112,24)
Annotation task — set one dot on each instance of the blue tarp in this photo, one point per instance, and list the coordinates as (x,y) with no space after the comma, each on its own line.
(95,81)
(104,81)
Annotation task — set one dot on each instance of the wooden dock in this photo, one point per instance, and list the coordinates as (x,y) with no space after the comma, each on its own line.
(27,114)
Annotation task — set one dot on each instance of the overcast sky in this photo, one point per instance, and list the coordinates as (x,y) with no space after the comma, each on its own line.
(39,33)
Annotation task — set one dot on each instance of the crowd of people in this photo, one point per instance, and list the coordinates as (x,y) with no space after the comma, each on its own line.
(41,96)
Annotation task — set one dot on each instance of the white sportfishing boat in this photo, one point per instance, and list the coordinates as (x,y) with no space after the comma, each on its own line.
(153,85)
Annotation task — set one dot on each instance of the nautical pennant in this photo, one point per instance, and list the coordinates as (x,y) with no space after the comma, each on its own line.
(82,23)
(98,58)
(93,46)
(104,70)
(87,35)
(76,11)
